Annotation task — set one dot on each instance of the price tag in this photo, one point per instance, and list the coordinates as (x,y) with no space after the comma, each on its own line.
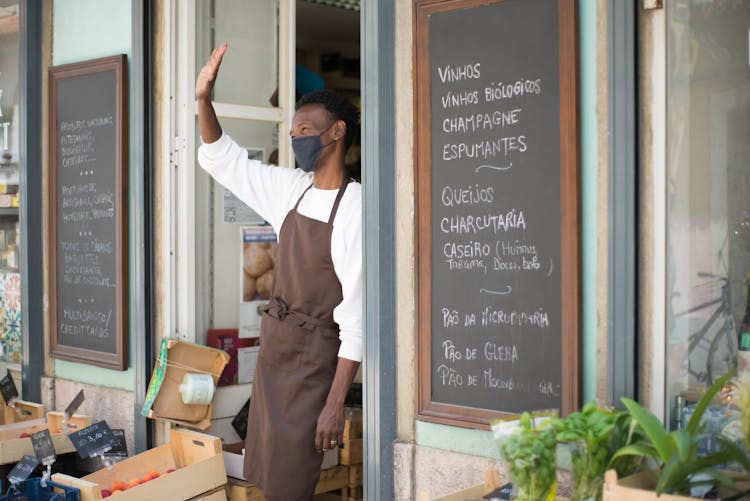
(94,440)
(43,447)
(23,469)
(74,405)
(8,389)
(120,447)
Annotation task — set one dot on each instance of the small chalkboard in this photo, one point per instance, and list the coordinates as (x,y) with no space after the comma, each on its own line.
(8,388)
(23,469)
(43,447)
(94,440)
(502,493)
(497,219)
(87,255)
(74,405)
(120,446)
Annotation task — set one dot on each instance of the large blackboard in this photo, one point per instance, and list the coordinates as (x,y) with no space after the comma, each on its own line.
(87,212)
(497,208)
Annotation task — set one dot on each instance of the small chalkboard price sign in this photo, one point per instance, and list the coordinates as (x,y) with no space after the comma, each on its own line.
(74,405)
(43,447)
(497,216)
(120,446)
(95,440)
(87,199)
(23,469)
(8,389)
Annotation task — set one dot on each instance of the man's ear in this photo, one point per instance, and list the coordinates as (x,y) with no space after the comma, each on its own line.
(339,129)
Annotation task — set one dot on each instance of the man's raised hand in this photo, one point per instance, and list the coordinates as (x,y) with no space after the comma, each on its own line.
(207,76)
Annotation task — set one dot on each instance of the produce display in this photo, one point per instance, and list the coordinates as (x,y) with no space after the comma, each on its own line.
(117,486)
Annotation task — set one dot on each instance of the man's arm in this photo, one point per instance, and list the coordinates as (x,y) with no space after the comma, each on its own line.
(330,429)
(207,122)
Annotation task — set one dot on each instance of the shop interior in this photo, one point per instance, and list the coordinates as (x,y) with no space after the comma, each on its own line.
(235,255)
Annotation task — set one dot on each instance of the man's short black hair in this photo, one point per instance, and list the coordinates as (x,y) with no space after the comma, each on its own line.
(337,106)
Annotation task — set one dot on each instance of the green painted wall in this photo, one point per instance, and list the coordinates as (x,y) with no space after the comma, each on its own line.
(480,443)
(87,29)
(589,167)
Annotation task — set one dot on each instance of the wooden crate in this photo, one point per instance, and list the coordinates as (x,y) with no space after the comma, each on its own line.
(331,479)
(640,487)
(352,429)
(356,476)
(351,493)
(14,441)
(218,494)
(351,452)
(23,411)
(195,457)
(75,423)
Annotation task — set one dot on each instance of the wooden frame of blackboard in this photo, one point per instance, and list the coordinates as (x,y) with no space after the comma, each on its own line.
(469,417)
(119,359)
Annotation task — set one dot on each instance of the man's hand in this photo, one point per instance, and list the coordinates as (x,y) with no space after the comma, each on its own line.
(330,431)
(207,76)
(207,122)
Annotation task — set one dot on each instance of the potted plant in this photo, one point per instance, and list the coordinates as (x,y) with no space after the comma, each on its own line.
(678,468)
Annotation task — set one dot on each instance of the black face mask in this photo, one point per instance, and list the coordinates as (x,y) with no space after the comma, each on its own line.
(307,150)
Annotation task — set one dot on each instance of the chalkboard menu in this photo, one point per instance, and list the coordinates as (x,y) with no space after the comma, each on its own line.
(497,210)
(87,212)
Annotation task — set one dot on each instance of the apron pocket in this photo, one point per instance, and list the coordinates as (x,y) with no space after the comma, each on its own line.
(282,343)
(323,349)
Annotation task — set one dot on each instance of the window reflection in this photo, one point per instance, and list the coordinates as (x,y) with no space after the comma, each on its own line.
(708,191)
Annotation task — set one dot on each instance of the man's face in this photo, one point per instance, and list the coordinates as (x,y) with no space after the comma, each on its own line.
(310,120)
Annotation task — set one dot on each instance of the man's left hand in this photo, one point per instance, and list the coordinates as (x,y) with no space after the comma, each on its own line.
(330,430)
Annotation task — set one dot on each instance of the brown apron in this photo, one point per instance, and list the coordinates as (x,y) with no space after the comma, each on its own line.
(298,357)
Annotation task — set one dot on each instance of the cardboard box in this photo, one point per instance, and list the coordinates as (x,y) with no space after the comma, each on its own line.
(234,459)
(14,441)
(195,457)
(177,358)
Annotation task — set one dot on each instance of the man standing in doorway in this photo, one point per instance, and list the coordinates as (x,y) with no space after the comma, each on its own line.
(311,330)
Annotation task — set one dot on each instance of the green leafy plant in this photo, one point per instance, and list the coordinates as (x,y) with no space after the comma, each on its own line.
(593,435)
(675,453)
(530,454)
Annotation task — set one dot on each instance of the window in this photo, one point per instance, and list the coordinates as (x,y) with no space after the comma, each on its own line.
(10,278)
(708,193)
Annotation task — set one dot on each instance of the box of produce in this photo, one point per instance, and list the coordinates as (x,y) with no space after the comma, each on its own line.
(15,440)
(190,465)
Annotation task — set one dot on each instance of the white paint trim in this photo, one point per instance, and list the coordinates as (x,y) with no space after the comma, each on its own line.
(242,112)
(287,72)
(185,141)
(166,260)
(659,202)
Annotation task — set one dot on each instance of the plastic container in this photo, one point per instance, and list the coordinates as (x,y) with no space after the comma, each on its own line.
(32,490)
(197,389)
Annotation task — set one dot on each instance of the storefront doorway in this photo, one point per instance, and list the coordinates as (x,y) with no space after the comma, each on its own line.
(278,50)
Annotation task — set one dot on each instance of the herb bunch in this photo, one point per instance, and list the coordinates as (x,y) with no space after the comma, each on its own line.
(530,454)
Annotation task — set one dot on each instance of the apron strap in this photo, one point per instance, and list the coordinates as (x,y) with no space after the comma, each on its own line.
(279,310)
(303,194)
(340,194)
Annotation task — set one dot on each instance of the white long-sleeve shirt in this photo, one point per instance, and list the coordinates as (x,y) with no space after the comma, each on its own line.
(272,192)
